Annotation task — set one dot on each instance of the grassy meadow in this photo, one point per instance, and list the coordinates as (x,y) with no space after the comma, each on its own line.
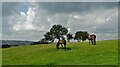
(81,53)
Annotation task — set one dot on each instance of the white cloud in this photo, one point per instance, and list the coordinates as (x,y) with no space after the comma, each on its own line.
(100,20)
(76,16)
(107,34)
(23,14)
(30,15)
(29,23)
(25,26)
(17,27)
(69,30)
(29,26)
(49,20)
(108,19)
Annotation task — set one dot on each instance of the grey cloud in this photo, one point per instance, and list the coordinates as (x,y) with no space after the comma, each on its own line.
(59,13)
(0,17)
(103,36)
(28,35)
(68,7)
(9,8)
(0,8)
(108,27)
(6,27)
(61,18)
(60,0)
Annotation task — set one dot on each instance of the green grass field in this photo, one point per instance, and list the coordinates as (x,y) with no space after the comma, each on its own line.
(104,53)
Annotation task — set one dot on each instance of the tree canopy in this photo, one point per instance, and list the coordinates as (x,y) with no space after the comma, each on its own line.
(58,31)
(69,37)
(49,36)
(81,35)
(55,32)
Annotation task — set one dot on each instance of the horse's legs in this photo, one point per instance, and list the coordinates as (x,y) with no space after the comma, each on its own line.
(61,45)
(57,46)
(65,46)
(92,42)
(89,42)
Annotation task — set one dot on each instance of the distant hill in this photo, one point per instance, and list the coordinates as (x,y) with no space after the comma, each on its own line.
(15,42)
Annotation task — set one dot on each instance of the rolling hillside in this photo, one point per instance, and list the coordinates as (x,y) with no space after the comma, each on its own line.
(104,53)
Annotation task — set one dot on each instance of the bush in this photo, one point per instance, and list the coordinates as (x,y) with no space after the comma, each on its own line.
(6,46)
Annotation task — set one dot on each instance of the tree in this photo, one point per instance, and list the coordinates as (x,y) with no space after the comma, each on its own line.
(85,35)
(58,30)
(78,36)
(69,37)
(55,32)
(81,35)
(49,36)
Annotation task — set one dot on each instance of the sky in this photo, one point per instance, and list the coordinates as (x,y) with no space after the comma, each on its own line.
(31,20)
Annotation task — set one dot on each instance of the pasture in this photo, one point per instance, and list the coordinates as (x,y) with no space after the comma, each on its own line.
(81,53)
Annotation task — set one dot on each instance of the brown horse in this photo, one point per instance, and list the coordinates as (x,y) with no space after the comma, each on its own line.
(92,38)
(61,42)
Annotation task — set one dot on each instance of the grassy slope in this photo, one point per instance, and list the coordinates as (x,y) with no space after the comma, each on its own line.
(105,52)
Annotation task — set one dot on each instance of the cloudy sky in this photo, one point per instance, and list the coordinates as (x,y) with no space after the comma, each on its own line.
(30,20)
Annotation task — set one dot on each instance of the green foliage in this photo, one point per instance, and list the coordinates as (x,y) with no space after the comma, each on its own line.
(58,30)
(55,32)
(69,37)
(85,35)
(49,36)
(81,35)
(104,53)
(78,35)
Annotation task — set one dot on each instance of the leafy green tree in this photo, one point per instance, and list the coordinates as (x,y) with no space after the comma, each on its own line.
(49,36)
(85,35)
(55,32)
(81,35)
(58,30)
(78,36)
(69,37)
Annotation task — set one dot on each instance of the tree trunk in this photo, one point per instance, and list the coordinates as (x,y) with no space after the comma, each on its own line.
(58,37)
